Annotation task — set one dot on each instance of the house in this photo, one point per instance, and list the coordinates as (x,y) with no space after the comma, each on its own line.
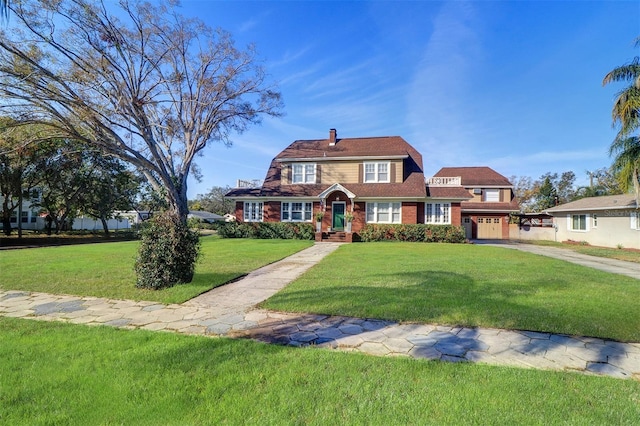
(486,212)
(351,182)
(206,217)
(608,221)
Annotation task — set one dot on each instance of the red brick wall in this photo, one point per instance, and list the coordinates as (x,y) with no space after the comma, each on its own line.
(239,211)
(410,212)
(271,211)
(456,214)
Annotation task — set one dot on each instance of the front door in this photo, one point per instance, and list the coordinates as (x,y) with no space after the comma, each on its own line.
(337,221)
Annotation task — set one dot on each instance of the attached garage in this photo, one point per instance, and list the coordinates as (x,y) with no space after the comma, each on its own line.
(489,228)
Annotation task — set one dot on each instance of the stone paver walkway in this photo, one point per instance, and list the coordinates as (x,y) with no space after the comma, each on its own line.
(229,310)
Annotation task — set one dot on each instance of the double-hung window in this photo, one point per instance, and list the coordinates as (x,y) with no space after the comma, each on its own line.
(296,211)
(253,211)
(376,172)
(578,222)
(438,213)
(303,173)
(384,213)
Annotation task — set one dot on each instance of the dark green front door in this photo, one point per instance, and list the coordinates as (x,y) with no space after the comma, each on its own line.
(337,224)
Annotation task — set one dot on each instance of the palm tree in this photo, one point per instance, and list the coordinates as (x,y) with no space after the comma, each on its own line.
(626,113)
(627,163)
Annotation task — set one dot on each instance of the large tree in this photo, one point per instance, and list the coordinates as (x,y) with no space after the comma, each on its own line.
(626,114)
(142,83)
(21,166)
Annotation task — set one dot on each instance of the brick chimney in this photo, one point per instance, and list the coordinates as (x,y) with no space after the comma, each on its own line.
(332,137)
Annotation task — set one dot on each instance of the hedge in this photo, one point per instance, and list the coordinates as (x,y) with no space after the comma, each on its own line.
(267,230)
(413,232)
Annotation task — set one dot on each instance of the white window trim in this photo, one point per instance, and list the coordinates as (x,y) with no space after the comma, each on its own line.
(437,217)
(635,220)
(376,165)
(253,211)
(488,191)
(289,210)
(586,222)
(392,205)
(311,176)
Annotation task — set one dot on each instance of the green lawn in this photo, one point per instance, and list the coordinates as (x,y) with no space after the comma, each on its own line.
(54,373)
(611,253)
(468,285)
(106,269)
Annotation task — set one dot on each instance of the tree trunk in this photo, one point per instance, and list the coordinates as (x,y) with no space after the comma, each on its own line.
(6,224)
(636,185)
(105,226)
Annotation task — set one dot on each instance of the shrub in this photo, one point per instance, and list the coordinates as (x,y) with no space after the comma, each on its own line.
(413,232)
(267,230)
(167,254)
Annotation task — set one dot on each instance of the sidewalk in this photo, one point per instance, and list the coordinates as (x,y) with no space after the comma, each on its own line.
(229,310)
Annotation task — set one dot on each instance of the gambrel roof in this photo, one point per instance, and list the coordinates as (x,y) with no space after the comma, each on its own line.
(323,151)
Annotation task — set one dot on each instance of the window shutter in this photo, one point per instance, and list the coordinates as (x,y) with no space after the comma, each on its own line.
(392,171)
(318,174)
(360,173)
(634,220)
(587,219)
(289,178)
(568,222)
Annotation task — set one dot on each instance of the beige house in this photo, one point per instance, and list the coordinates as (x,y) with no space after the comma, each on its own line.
(609,221)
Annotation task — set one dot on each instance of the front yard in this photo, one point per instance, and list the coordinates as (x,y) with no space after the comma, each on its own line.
(54,373)
(467,285)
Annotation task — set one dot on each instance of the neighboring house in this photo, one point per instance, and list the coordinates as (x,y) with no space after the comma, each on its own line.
(373,179)
(486,213)
(608,221)
(207,217)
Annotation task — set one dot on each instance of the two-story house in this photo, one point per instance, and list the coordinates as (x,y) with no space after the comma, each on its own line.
(485,215)
(351,182)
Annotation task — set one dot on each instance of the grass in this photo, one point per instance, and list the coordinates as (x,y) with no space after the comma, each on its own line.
(55,373)
(106,269)
(628,255)
(467,285)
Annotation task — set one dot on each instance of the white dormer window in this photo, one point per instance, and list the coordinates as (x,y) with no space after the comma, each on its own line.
(376,172)
(304,173)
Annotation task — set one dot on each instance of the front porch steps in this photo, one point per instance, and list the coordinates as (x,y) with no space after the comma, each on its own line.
(334,237)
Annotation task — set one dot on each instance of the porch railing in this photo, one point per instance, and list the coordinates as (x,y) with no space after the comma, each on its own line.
(444,181)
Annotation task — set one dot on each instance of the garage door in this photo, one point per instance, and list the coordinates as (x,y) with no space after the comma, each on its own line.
(489,228)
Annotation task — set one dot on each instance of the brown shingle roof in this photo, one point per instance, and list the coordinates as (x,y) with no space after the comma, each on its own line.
(607,202)
(475,176)
(388,146)
(452,192)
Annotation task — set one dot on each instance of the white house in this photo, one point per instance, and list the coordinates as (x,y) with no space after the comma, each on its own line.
(609,221)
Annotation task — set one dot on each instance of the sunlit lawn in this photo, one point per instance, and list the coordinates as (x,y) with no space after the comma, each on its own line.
(611,253)
(54,373)
(106,269)
(468,285)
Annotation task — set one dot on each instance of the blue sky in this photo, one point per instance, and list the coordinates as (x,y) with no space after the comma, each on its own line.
(513,85)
